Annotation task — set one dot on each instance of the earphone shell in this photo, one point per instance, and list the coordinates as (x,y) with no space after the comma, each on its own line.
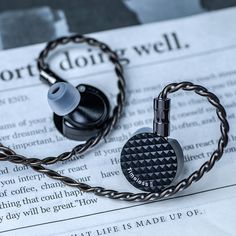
(88,118)
(175,145)
(151,162)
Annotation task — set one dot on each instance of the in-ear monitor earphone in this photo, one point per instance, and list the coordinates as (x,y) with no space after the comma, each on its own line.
(79,112)
(151,161)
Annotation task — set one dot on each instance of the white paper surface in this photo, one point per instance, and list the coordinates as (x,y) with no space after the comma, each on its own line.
(32,204)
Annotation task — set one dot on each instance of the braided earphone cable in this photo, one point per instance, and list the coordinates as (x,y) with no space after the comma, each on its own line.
(6,154)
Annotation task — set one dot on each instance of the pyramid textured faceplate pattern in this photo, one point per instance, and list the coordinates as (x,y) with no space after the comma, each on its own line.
(149,162)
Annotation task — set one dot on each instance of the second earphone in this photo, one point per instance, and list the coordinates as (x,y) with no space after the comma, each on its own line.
(79,112)
(150,160)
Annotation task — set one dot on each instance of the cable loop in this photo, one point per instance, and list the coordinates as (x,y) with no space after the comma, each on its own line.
(117,110)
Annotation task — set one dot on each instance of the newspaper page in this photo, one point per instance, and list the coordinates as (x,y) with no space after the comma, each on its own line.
(200,49)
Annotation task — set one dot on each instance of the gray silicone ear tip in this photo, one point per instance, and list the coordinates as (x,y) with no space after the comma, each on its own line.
(63,98)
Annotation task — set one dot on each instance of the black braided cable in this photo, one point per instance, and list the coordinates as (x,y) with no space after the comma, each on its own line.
(6,154)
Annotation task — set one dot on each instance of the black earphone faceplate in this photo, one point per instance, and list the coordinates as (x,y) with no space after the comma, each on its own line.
(88,118)
(149,162)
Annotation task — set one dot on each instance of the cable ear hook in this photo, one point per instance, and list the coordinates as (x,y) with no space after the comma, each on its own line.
(151,161)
